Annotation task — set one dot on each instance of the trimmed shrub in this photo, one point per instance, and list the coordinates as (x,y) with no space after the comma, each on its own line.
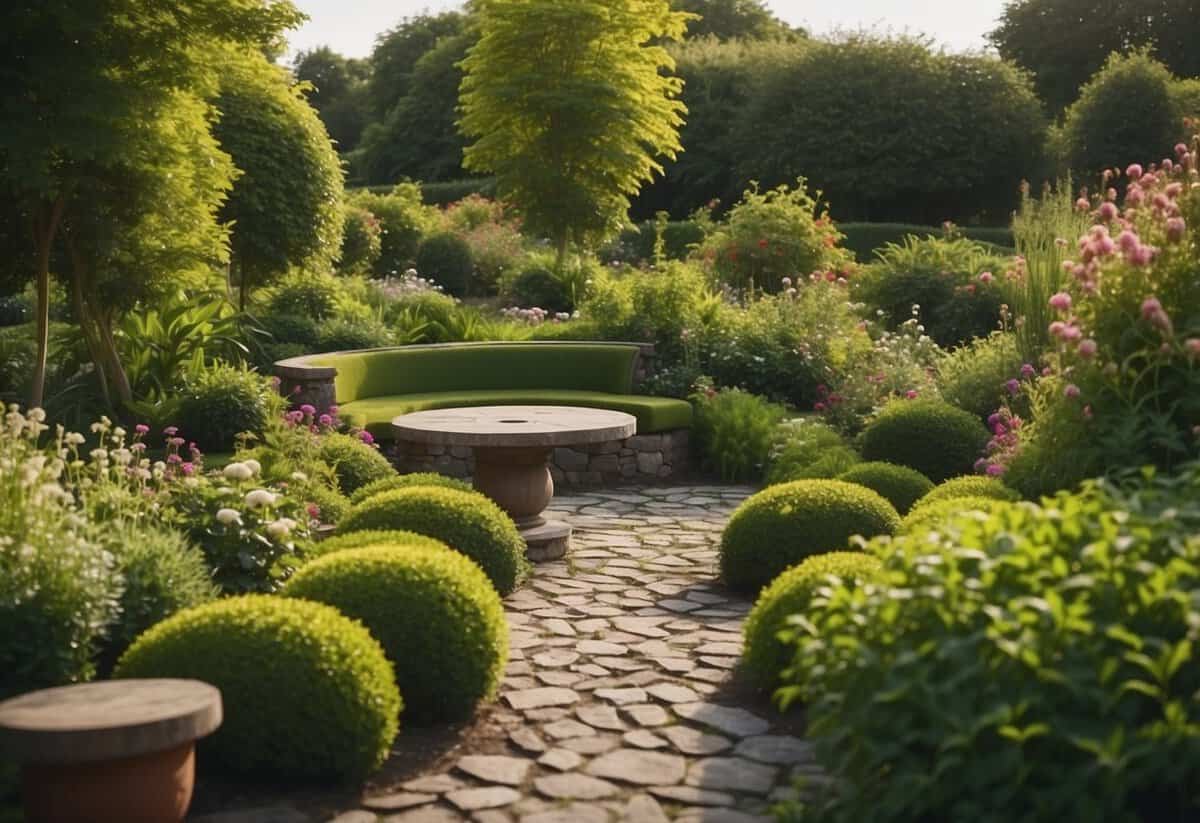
(292,328)
(352,332)
(220,402)
(403,221)
(807,449)
(468,522)
(355,463)
(308,693)
(766,656)
(734,430)
(360,540)
(929,516)
(538,285)
(939,440)
(440,621)
(407,481)
(786,524)
(1038,666)
(445,258)
(164,573)
(331,505)
(970,485)
(362,241)
(899,485)
(307,295)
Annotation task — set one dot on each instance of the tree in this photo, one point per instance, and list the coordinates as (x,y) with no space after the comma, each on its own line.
(734,19)
(418,138)
(338,91)
(397,52)
(1065,42)
(286,206)
(81,79)
(570,104)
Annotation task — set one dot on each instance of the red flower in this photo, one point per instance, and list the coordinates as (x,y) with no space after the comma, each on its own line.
(762,244)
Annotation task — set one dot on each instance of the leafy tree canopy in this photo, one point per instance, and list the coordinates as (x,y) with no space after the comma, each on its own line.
(338,91)
(398,50)
(570,103)
(1065,42)
(734,19)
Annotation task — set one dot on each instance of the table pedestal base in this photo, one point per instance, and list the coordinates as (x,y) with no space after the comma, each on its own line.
(518,479)
(548,541)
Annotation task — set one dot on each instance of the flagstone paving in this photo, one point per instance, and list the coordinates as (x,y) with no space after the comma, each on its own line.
(619,702)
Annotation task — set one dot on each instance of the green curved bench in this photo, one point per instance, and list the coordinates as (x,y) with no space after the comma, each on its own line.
(372,386)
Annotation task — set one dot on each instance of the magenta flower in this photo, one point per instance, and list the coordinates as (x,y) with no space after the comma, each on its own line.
(995,470)
(1087,349)
(1013,387)
(1082,204)
(1175,229)
(1027,370)
(171,431)
(1154,313)
(1181,149)
(1134,172)
(141,428)
(1061,301)
(188,469)
(1108,212)
(911,394)
(366,437)
(986,277)
(308,409)
(1071,391)
(325,420)
(174,459)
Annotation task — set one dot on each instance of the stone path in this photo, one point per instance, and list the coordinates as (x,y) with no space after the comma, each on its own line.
(618,704)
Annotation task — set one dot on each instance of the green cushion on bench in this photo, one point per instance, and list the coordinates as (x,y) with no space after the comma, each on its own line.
(654,414)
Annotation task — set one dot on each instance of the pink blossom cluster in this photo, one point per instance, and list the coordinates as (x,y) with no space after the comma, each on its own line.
(1005,427)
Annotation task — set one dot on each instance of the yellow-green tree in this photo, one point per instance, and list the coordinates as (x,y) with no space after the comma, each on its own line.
(571,103)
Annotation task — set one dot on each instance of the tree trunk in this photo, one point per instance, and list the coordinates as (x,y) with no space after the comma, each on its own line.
(96,324)
(89,336)
(45,227)
(563,242)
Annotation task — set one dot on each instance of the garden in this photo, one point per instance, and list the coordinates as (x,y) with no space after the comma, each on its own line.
(910,526)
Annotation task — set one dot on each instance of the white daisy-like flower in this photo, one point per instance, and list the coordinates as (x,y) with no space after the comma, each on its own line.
(227,517)
(253,465)
(259,497)
(237,471)
(281,527)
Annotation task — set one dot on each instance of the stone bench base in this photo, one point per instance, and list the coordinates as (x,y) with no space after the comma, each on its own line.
(639,458)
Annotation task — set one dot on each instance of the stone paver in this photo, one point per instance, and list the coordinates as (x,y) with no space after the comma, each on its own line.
(613,706)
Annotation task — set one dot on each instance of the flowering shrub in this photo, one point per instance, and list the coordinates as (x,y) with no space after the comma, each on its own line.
(1122,383)
(362,241)
(772,235)
(733,430)
(806,448)
(219,402)
(979,376)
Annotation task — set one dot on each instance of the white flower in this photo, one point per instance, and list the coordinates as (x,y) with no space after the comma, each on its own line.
(238,471)
(299,477)
(253,465)
(227,517)
(259,497)
(74,439)
(281,527)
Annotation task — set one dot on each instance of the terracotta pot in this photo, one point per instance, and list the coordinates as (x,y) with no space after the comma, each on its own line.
(148,788)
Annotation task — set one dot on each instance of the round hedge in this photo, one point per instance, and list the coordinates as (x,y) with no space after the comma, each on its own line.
(766,656)
(331,504)
(440,621)
(929,516)
(900,485)
(935,438)
(972,485)
(360,540)
(466,521)
(785,524)
(308,693)
(355,463)
(407,481)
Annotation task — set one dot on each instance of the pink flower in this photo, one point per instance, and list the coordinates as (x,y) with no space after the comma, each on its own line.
(911,394)
(325,420)
(1082,204)
(1056,328)
(1175,229)
(1013,386)
(1027,370)
(171,431)
(1154,313)
(188,469)
(818,406)
(174,459)
(1061,301)
(314,511)
(1134,172)
(1071,391)
(141,428)
(308,410)
(1087,349)
(1181,149)
(366,437)
(1192,347)
(995,470)
(986,277)
(1108,212)
(333,410)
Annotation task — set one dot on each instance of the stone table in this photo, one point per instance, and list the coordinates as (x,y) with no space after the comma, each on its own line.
(512,451)
(116,750)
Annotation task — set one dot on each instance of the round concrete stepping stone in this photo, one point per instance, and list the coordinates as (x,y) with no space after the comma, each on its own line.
(645,768)
(398,800)
(642,739)
(693,796)
(773,748)
(731,720)
(495,768)
(693,741)
(574,786)
(647,714)
(538,698)
(672,693)
(731,774)
(561,759)
(602,717)
(488,797)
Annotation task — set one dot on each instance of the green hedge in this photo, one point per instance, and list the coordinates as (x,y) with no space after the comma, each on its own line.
(451,191)
(864,238)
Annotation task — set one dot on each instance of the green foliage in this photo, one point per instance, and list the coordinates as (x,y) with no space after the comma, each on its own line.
(899,485)
(348,332)
(664,307)
(446,259)
(219,402)
(362,241)
(734,430)
(538,285)
(325,505)
(935,514)
(1124,114)
(398,50)
(286,205)
(865,239)
(733,19)
(434,611)
(404,481)
(468,522)
(313,296)
(58,587)
(954,281)
(973,376)
(807,449)
(355,463)
(939,440)
(569,103)
(337,90)
(404,220)
(365,539)
(766,656)
(962,130)
(768,236)
(786,524)
(163,573)
(1029,664)
(1064,42)
(970,485)
(295,329)
(276,661)
(448,192)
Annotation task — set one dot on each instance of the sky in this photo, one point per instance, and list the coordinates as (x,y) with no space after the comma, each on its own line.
(350,26)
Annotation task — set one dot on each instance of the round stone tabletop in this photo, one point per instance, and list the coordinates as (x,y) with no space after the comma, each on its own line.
(514,426)
(107,720)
